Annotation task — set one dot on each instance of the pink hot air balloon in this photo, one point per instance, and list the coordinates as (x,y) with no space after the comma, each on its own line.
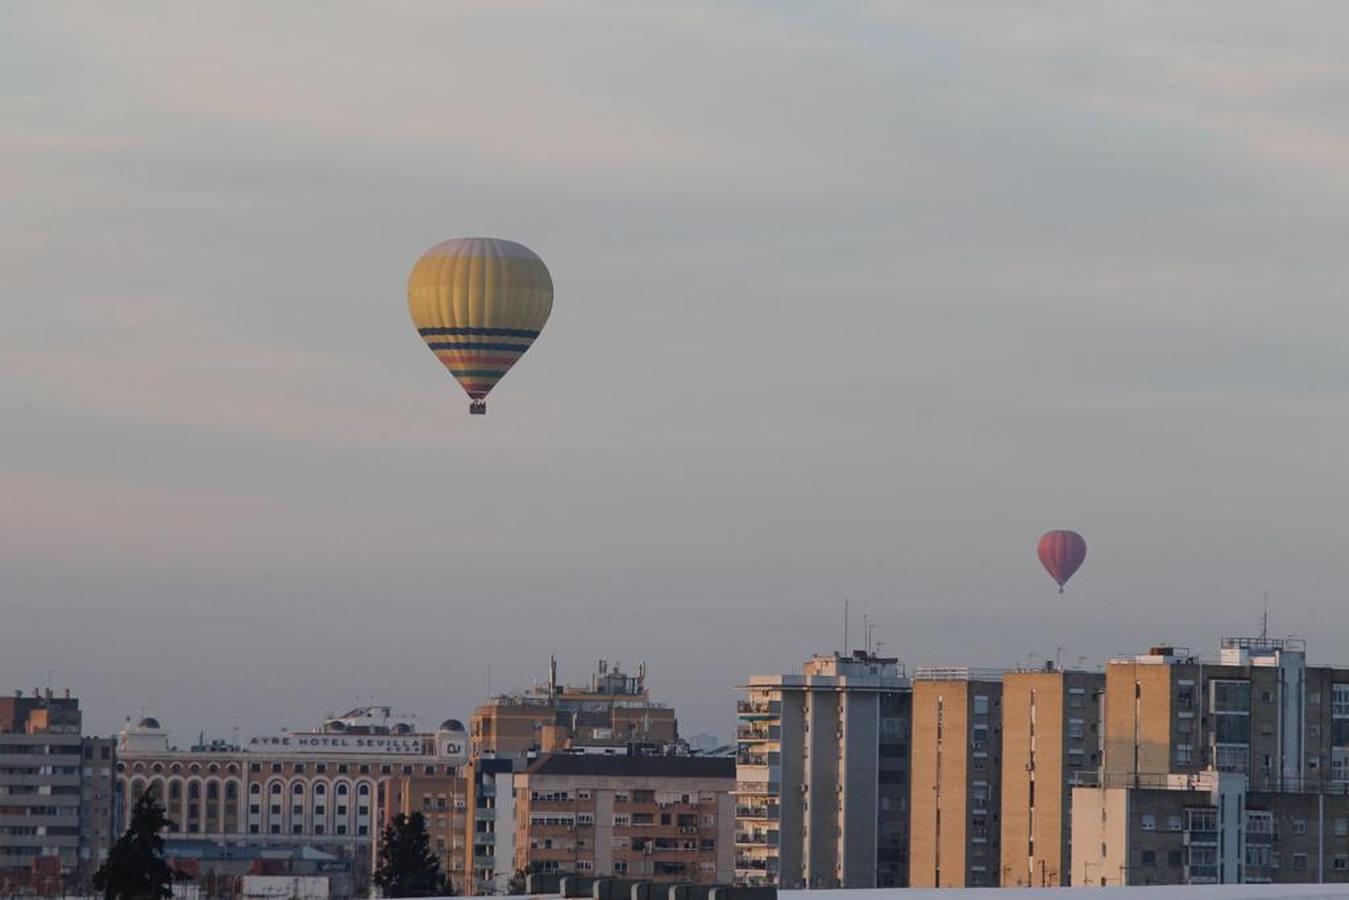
(1062,554)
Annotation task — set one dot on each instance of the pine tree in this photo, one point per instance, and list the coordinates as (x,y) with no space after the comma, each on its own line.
(135,868)
(407,867)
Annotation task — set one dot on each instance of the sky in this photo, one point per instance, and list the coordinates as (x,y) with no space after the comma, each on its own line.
(851,300)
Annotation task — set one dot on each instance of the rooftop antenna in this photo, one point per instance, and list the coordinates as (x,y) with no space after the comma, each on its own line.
(845,626)
(866,634)
(1264,619)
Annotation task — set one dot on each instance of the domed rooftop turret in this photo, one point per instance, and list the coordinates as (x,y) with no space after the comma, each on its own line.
(451,725)
(148,722)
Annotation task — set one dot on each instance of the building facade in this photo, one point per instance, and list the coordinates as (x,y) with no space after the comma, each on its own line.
(442,801)
(1218,772)
(657,818)
(491,801)
(614,711)
(822,775)
(957,778)
(56,796)
(323,789)
(1260,710)
(1051,733)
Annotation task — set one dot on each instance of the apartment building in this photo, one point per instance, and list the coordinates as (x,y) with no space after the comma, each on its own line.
(1051,733)
(442,800)
(822,775)
(56,796)
(491,802)
(1219,772)
(1259,710)
(100,814)
(611,713)
(957,778)
(658,818)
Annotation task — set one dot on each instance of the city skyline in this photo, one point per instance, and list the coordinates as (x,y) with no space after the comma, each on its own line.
(847,304)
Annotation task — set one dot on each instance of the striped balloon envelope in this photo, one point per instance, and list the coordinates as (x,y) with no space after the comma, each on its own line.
(479,303)
(1061,553)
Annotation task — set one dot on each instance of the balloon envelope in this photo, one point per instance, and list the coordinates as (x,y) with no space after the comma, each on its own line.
(1062,553)
(479,303)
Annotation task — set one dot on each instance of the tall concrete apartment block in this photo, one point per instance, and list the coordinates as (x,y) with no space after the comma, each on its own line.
(1051,735)
(957,777)
(1260,711)
(56,797)
(822,775)
(1234,771)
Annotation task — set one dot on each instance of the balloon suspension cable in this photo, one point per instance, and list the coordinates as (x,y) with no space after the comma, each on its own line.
(477,407)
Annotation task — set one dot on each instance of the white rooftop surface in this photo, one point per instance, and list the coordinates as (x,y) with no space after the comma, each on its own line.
(1178,892)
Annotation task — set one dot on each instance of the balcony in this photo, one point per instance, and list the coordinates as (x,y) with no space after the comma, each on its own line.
(758,759)
(758,788)
(769,811)
(756,838)
(759,709)
(758,732)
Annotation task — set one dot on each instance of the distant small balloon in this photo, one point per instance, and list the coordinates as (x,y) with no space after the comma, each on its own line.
(1062,553)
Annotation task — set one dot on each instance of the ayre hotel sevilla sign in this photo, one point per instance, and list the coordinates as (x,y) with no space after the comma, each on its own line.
(373,744)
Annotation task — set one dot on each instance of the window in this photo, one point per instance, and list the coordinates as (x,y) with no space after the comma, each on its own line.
(1341,863)
(341,790)
(255,789)
(584,865)
(1149,858)
(275,788)
(1299,862)
(299,768)
(297,789)
(1076,698)
(1339,701)
(1341,827)
(1173,823)
(1231,758)
(1149,822)
(276,768)
(276,828)
(297,810)
(1184,755)
(620,868)
(363,790)
(622,820)
(320,789)
(320,767)
(1299,826)
(981,704)
(1075,728)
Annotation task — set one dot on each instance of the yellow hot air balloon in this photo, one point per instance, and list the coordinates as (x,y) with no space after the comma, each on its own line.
(479,303)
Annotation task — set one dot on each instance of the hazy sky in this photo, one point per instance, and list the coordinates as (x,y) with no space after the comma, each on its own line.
(851,299)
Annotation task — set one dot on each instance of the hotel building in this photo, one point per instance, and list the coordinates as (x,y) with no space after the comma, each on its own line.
(324,789)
